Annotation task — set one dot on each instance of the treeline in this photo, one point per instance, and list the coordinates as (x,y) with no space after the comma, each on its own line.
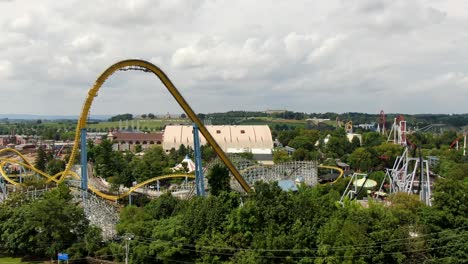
(64,130)
(307,226)
(265,226)
(121,117)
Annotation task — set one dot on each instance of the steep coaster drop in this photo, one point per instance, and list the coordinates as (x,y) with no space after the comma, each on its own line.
(125,65)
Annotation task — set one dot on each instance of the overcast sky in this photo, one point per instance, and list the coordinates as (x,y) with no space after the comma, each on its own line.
(408,56)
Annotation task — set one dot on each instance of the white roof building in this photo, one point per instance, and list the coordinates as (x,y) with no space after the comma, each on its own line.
(232,139)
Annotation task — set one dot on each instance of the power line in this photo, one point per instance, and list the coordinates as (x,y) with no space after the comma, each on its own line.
(349,247)
(315,257)
(369,245)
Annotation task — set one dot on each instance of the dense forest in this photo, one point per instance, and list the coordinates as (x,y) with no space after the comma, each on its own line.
(266,226)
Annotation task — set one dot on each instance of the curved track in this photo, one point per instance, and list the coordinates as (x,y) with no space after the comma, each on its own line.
(76,176)
(341,171)
(92,93)
(148,67)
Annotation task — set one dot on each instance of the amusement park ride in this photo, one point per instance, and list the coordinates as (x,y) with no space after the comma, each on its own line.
(409,174)
(80,143)
(455,143)
(80,138)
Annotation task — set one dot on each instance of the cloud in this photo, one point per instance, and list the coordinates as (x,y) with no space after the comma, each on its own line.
(327,47)
(5,69)
(217,58)
(222,55)
(297,45)
(21,22)
(87,43)
(395,17)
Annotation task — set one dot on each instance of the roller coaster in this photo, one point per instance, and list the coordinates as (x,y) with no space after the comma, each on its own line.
(141,65)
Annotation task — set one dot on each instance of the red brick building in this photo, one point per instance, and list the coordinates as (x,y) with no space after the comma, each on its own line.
(128,140)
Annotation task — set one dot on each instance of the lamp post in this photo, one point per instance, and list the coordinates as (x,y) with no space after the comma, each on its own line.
(127,238)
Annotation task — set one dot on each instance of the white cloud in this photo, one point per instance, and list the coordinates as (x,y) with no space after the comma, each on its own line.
(327,47)
(5,69)
(21,22)
(87,43)
(298,45)
(227,55)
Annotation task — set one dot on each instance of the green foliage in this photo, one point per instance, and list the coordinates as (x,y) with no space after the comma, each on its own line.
(361,159)
(338,144)
(55,166)
(121,117)
(372,139)
(280,156)
(162,207)
(93,239)
(218,179)
(41,159)
(42,227)
(138,148)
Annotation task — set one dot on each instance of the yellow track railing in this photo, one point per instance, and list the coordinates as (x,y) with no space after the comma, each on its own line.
(92,93)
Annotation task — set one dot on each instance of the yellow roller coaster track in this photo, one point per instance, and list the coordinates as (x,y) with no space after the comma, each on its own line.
(333,168)
(90,187)
(146,66)
(174,92)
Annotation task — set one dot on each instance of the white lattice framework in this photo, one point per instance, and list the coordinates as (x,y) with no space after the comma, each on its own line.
(405,177)
(252,172)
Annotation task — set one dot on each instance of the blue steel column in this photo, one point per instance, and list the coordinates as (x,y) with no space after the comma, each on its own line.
(84,166)
(199,181)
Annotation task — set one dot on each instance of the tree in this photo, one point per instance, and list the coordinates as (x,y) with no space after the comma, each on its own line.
(41,159)
(280,156)
(121,117)
(338,144)
(93,239)
(44,227)
(162,207)
(218,179)
(302,142)
(182,151)
(151,116)
(103,155)
(387,153)
(55,166)
(285,136)
(371,139)
(144,116)
(138,148)
(355,143)
(361,159)
(207,153)
(301,154)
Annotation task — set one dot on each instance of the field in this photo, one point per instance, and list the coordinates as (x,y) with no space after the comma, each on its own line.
(8,260)
(145,124)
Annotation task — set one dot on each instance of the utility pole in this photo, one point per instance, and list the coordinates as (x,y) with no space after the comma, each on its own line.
(127,238)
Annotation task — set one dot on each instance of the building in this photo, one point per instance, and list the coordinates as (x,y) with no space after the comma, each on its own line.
(370,126)
(6,140)
(128,140)
(232,139)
